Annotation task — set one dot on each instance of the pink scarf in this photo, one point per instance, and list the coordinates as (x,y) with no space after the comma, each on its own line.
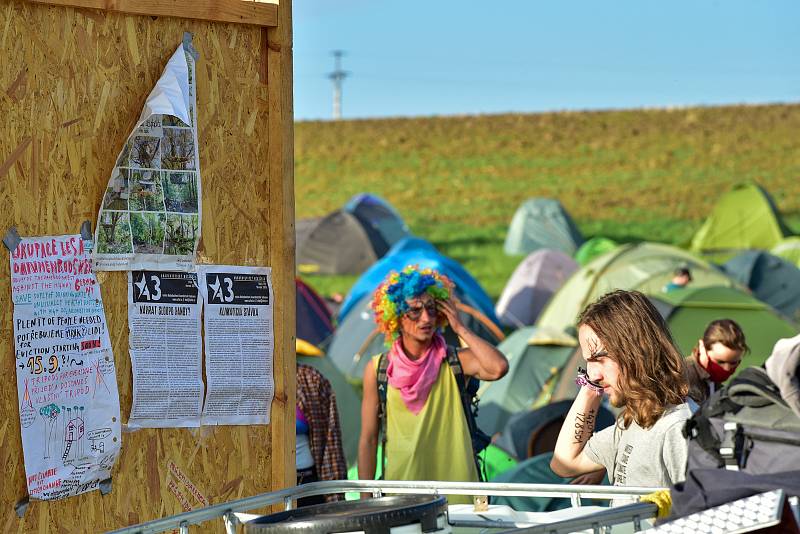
(415,378)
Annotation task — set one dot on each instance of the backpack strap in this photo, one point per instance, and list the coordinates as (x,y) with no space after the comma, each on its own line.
(458,371)
(383,384)
(467,390)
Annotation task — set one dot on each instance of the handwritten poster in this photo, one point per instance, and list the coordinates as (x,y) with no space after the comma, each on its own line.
(166,349)
(66,378)
(150,214)
(239,341)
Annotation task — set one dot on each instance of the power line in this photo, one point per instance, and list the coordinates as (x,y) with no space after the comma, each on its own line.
(337,77)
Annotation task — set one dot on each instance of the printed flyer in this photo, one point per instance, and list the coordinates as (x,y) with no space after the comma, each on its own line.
(66,378)
(150,216)
(239,341)
(166,349)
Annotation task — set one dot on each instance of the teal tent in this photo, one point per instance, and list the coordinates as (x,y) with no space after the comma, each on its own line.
(534,356)
(537,470)
(773,280)
(542,223)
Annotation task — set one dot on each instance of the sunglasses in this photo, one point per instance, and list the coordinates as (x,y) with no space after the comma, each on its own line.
(415,313)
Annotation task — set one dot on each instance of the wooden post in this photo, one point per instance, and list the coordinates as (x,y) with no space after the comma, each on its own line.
(74,78)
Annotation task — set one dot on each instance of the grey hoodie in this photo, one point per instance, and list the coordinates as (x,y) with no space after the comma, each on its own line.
(783,368)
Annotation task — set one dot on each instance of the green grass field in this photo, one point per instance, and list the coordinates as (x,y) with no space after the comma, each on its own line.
(629,175)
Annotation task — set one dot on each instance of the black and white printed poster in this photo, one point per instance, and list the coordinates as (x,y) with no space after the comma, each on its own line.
(165,345)
(239,344)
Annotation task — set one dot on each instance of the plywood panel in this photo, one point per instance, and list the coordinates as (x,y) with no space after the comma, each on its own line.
(71,88)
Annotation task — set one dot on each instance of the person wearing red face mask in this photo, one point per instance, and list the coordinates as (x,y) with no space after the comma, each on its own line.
(715,358)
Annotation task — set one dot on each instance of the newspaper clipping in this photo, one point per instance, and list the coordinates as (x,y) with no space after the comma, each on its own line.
(150,216)
(239,344)
(166,349)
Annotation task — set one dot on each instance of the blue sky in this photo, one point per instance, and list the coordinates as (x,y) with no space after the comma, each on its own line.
(440,57)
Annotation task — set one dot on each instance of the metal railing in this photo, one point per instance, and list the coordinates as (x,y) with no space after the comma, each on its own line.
(227,510)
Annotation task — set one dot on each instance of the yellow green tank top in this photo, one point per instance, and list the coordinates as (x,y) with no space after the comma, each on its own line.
(433,444)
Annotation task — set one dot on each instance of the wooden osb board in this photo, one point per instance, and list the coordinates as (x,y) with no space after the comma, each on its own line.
(72,85)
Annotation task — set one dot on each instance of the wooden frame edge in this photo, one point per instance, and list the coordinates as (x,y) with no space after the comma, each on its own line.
(257,13)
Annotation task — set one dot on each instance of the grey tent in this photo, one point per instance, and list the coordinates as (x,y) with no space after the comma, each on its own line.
(378,215)
(356,338)
(542,223)
(303,229)
(771,279)
(338,244)
(531,285)
(534,356)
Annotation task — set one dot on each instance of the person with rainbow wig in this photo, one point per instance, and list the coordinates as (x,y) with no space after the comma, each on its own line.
(427,437)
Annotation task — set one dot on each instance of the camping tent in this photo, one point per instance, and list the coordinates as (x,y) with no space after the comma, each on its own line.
(594,247)
(689,310)
(531,285)
(771,279)
(542,223)
(410,251)
(356,338)
(347,399)
(338,243)
(646,267)
(536,470)
(313,319)
(788,249)
(533,432)
(532,471)
(534,356)
(744,218)
(378,215)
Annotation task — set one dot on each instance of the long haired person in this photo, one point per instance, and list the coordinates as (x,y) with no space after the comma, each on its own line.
(630,358)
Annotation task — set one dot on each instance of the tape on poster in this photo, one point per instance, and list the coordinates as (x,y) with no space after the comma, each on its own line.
(12,239)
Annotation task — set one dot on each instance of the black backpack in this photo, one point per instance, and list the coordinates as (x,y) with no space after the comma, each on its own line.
(468,390)
(745,426)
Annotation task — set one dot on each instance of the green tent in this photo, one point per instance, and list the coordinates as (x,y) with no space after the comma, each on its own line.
(788,249)
(542,223)
(688,311)
(596,246)
(347,401)
(496,461)
(744,218)
(534,355)
(646,267)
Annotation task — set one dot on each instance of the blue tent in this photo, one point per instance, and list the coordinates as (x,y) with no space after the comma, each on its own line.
(416,251)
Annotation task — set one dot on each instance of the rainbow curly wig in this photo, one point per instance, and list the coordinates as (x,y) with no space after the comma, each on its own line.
(389,302)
